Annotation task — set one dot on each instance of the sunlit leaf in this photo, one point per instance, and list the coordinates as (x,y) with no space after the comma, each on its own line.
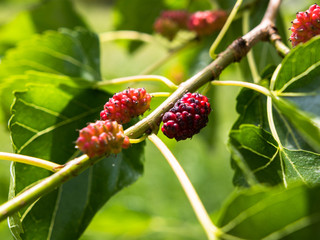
(45,124)
(65,53)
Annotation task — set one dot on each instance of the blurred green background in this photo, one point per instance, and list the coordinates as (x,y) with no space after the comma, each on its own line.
(155,207)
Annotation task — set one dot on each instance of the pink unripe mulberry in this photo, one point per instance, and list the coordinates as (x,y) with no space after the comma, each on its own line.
(102,138)
(306,25)
(187,117)
(125,105)
(207,22)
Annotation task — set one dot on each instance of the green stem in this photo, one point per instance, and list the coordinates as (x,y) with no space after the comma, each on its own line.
(138,140)
(70,170)
(252,86)
(224,29)
(160,94)
(271,122)
(250,57)
(138,78)
(51,166)
(211,230)
(130,35)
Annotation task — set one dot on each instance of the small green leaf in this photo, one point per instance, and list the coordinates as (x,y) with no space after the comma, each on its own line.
(272,213)
(44,124)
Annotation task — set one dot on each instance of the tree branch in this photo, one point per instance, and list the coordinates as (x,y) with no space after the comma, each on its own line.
(234,53)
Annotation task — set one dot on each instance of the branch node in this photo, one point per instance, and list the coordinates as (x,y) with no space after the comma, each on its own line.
(240,49)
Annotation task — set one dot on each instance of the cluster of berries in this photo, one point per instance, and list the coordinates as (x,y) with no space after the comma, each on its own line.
(186,118)
(202,22)
(306,25)
(106,136)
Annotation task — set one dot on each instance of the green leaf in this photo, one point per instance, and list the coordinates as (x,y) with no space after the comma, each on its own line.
(259,159)
(65,53)
(38,19)
(44,125)
(272,213)
(307,125)
(300,78)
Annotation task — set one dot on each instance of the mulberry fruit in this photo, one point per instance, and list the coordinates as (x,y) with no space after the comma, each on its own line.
(102,138)
(170,22)
(207,22)
(306,25)
(124,106)
(187,117)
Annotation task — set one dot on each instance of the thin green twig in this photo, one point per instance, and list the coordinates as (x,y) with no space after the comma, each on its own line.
(211,230)
(250,57)
(252,86)
(129,35)
(224,29)
(51,166)
(160,94)
(138,78)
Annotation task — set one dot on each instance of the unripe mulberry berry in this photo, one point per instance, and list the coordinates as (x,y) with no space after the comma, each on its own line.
(102,138)
(170,22)
(124,106)
(207,22)
(187,117)
(306,25)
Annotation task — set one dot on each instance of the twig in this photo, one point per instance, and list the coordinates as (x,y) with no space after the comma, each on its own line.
(71,169)
(224,29)
(211,230)
(51,166)
(138,78)
(129,35)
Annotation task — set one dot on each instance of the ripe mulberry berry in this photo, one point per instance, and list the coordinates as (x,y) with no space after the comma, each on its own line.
(306,25)
(207,22)
(102,138)
(187,117)
(170,22)
(124,106)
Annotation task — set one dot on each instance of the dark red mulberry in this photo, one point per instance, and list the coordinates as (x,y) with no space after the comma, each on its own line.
(187,117)
(306,25)
(102,138)
(124,106)
(170,22)
(207,22)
